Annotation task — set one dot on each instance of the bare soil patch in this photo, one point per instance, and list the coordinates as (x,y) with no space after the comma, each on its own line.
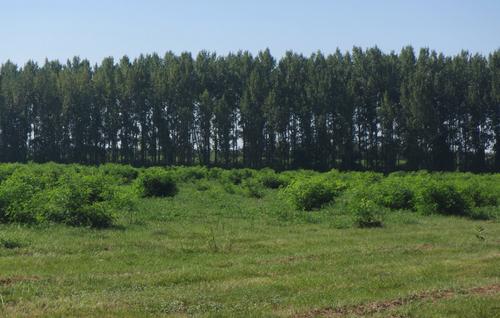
(375,307)
(4,281)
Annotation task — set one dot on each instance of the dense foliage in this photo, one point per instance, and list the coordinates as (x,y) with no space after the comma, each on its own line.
(312,193)
(366,213)
(73,195)
(356,110)
(92,196)
(156,182)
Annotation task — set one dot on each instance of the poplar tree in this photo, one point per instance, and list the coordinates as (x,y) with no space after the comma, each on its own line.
(363,110)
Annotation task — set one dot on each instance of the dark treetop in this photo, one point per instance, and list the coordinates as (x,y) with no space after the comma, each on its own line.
(358,110)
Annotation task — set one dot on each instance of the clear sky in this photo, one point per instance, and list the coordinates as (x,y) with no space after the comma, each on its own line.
(94,29)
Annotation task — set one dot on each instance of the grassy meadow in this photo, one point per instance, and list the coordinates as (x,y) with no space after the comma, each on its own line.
(116,241)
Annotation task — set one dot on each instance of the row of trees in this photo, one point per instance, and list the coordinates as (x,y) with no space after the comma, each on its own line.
(356,110)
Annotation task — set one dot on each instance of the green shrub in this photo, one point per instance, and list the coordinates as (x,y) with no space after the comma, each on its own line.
(156,182)
(478,194)
(356,179)
(312,193)
(70,206)
(485,213)
(393,193)
(16,193)
(253,188)
(79,200)
(273,180)
(189,173)
(215,173)
(123,173)
(442,198)
(7,169)
(236,176)
(366,213)
(202,185)
(10,243)
(228,187)
(39,194)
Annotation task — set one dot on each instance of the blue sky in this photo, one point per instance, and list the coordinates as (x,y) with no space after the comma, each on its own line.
(94,29)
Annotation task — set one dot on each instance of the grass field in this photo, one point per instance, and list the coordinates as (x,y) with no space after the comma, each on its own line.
(206,252)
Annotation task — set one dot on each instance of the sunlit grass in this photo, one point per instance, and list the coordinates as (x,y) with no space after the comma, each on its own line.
(210,253)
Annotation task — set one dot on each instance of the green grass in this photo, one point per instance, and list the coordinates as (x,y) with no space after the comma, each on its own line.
(211,253)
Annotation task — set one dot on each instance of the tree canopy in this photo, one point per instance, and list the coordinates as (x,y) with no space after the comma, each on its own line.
(363,109)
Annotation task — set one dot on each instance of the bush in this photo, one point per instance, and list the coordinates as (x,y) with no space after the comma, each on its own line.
(394,193)
(123,173)
(37,194)
(485,213)
(478,194)
(10,243)
(189,173)
(253,188)
(357,179)
(16,193)
(202,186)
(79,200)
(215,173)
(229,187)
(69,206)
(273,180)
(366,213)
(7,169)
(442,198)
(236,176)
(156,182)
(312,193)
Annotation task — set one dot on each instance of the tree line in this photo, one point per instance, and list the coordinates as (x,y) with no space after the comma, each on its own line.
(363,109)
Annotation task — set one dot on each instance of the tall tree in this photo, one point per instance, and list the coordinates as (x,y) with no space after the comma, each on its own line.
(359,110)
(14,115)
(256,91)
(494,109)
(105,98)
